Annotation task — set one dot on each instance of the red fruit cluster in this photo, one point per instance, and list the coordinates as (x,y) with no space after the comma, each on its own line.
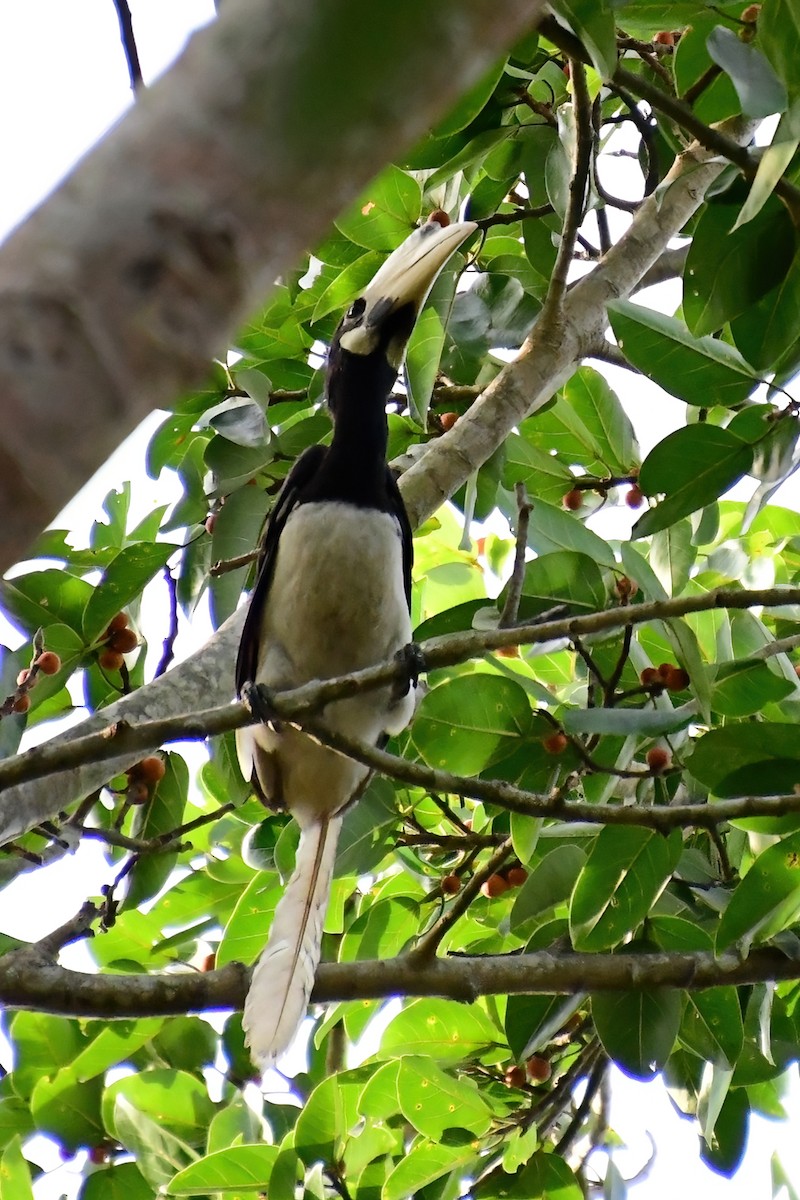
(501,881)
(47,662)
(573,499)
(665,675)
(119,640)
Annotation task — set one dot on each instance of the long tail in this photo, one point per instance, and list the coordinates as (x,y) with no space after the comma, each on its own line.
(284,975)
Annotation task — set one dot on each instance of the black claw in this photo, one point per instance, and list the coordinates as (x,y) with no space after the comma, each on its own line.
(258,698)
(412,660)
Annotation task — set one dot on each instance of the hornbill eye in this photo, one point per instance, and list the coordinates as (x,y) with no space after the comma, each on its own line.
(356,309)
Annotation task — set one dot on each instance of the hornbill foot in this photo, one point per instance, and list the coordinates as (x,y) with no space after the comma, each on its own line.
(412,660)
(258,698)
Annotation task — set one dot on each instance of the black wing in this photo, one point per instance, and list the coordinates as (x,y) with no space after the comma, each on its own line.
(399,509)
(300,475)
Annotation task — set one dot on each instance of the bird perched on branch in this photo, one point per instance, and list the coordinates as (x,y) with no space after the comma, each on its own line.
(332,596)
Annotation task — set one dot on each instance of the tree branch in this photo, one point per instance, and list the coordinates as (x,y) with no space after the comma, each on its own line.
(29,981)
(117,293)
(109,749)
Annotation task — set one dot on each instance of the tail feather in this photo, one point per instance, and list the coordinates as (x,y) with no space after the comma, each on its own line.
(284,975)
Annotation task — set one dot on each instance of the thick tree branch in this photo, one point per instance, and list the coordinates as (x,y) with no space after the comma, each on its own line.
(27,980)
(117,292)
(545,361)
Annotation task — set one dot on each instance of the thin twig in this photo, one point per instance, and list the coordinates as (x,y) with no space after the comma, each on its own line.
(129,44)
(511,607)
(168,651)
(429,942)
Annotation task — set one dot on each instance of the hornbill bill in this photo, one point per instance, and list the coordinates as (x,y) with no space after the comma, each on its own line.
(332,596)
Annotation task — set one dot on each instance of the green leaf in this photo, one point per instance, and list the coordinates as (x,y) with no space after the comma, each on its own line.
(364,839)
(471,103)
(771,166)
(729,1142)
(549,884)
(672,556)
(68,1111)
(15,1175)
(779,38)
(423,1164)
(122,581)
(159,1154)
(626,721)
(760,759)
(443,1029)
(237,1169)
(175,1100)
(690,467)
(767,900)
(592,21)
(712,1026)
(43,598)
(426,343)
(245,934)
(729,269)
(744,688)
(237,525)
(347,284)
(624,874)
(160,815)
(385,212)
(638,1029)
(120,1181)
(471,721)
(760,91)
(769,328)
(700,371)
(433,1102)
(533,1021)
(562,577)
(551,528)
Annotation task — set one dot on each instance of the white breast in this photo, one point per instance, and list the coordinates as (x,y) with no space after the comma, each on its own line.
(337,600)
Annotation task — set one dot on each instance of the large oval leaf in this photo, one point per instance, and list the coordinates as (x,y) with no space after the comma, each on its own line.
(623,875)
(768,898)
(638,1029)
(469,722)
(747,760)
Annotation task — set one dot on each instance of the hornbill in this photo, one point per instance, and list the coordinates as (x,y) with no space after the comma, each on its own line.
(332,596)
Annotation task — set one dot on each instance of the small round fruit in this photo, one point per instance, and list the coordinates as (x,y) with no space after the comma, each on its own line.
(120,621)
(538,1068)
(440,217)
(634,497)
(516,876)
(649,676)
(451,884)
(664,37)
(110,660)
(555,743)
(98,1155)
(515,1077)
(48,662)
(447,420)
(24,676)
(677,680)
(573,499)
(657,758)
(137,792)
(150,769)
(751,13)
(123,641)
(22,703)
(665,671)
(211,521)
(494,886)
(626,587)
(209,962)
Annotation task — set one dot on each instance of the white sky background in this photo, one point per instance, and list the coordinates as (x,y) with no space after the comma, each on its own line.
(63,83)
